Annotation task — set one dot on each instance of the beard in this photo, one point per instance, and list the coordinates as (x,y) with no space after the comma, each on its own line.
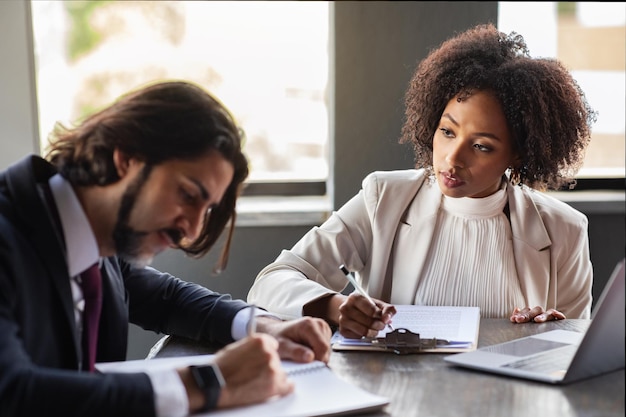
(128,244)
(128,241)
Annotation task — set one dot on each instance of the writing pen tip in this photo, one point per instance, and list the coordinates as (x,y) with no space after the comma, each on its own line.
(344,269)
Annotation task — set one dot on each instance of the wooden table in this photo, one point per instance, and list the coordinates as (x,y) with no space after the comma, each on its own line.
(425,385)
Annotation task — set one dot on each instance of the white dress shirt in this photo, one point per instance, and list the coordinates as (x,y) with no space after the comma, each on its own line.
(81,252)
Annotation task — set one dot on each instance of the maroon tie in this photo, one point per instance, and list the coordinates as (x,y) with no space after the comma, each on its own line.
(91,284)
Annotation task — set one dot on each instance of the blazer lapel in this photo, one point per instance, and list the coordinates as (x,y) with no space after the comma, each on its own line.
(23,178)
(531,246)
(412,242)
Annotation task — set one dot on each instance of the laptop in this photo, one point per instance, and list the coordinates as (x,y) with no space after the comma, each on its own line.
(561,356)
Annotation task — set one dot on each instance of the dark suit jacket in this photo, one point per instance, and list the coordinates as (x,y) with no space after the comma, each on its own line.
(39,346)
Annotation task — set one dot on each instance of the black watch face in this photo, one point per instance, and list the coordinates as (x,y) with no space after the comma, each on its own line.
(205,376)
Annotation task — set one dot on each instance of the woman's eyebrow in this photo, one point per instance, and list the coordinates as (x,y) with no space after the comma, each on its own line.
(483,134)
(449,117)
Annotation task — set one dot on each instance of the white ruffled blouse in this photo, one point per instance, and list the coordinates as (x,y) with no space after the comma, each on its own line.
(471,258)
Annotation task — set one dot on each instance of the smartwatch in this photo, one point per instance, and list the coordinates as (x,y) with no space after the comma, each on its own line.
(210,381)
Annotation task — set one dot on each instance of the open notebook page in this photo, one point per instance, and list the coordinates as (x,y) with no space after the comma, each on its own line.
(318,391)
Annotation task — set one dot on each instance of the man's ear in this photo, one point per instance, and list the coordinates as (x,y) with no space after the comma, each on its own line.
(122,162)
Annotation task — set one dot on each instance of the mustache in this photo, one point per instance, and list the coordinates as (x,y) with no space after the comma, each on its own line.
(175,235)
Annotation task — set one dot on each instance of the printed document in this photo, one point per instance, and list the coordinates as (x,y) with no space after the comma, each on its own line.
(454,328)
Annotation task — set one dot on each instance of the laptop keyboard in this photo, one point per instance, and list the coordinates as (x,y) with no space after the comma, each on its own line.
(554,360)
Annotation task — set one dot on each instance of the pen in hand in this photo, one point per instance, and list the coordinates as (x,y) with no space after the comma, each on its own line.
(360,289)
(252,321)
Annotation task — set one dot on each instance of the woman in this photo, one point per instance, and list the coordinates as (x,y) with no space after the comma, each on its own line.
(491,128)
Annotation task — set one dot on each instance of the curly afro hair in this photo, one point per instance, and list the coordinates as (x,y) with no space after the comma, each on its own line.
(546,110)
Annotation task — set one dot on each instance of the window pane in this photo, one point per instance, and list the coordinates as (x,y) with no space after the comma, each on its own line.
(590,39)
(267,61)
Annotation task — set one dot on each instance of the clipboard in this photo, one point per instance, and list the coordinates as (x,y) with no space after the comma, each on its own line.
(421,329)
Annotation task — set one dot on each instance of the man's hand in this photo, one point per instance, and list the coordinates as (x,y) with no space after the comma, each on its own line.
(537,315)
(252,371)
(300,340)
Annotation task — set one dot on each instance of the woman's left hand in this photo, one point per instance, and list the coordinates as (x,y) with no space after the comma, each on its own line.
(536,315)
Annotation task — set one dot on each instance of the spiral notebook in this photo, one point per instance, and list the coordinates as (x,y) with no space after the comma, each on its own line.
(318,391)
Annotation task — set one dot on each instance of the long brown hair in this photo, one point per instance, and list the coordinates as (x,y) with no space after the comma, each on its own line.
(159,122)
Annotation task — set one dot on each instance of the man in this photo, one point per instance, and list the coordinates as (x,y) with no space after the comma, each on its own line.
(161,167)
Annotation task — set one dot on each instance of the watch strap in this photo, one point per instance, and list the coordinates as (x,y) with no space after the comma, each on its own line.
(210,380)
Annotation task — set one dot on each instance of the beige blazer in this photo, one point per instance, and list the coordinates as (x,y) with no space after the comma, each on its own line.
(384,233)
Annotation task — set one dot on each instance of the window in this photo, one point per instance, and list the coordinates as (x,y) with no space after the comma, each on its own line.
(590,39)
(267,61)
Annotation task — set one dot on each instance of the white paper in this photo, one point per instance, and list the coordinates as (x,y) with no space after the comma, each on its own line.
(458,325)
(318,391)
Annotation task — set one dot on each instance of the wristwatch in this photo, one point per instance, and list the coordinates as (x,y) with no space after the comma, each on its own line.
(210,381)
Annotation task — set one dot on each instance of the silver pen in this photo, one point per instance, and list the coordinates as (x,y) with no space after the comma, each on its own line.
(252,321)
(360,289)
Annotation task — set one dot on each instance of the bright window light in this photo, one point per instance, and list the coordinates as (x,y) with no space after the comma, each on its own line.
(266,61)
(590,39)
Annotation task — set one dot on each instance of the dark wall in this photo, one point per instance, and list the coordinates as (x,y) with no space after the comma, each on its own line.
(606,245)
(377,47)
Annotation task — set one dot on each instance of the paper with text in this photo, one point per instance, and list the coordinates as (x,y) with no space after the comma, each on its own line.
(457,325)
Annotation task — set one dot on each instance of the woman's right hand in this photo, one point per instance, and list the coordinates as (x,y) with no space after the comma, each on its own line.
(358,317)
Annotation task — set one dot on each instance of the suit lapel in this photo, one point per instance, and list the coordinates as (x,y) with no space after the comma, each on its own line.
(23,180)
(413,242)
(531,246)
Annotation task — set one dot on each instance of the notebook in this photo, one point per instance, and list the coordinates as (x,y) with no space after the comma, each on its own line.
(441,329)
(562,356)
(318,390)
